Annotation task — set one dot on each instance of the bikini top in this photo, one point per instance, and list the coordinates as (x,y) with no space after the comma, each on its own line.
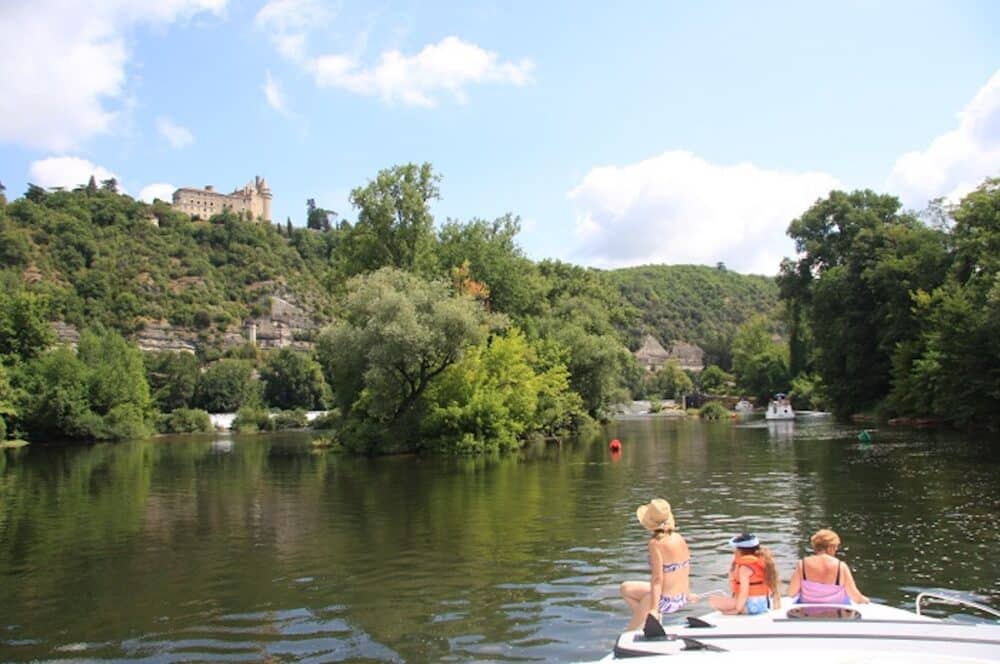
(673,567)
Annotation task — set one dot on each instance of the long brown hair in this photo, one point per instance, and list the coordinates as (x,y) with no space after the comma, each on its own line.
(770,570)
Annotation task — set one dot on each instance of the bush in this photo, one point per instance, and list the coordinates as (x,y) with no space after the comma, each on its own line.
(713,410)
(250,419)
(328,420)
(125,421)
(290,419)
(655,406)
(186,420)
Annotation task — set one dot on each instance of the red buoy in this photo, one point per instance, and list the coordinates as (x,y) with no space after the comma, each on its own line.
(615,445)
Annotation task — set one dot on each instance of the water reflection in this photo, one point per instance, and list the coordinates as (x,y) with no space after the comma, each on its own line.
(250,548)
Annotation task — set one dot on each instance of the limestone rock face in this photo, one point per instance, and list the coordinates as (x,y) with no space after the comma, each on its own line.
(286,324)
(162,336)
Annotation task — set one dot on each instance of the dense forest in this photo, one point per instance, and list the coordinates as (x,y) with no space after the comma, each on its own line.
(446,337)
(695,303)
(896,313)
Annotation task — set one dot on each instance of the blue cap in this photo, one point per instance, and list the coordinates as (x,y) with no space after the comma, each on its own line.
(745,541)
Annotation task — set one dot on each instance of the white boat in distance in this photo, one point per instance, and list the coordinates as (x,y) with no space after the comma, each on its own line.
(780,408)
(743,406)
(831,633)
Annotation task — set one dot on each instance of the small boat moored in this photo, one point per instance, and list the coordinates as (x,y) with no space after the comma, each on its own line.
(780,408)
(856,633)
(743,407)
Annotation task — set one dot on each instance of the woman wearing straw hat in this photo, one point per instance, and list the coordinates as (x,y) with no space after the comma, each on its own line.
(668,588)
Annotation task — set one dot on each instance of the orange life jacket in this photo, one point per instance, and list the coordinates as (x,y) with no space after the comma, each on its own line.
(758,579)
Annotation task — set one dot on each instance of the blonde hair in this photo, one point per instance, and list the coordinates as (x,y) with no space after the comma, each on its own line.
(770,571)
(824,540)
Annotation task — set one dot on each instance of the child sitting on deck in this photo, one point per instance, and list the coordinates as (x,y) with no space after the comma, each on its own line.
(753,579)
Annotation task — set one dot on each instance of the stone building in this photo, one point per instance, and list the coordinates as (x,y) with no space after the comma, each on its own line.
(652,355)
(254,198)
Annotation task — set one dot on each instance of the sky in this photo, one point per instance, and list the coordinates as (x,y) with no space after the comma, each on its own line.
(621,133)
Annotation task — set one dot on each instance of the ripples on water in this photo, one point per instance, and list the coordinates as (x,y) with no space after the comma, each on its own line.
(261,550)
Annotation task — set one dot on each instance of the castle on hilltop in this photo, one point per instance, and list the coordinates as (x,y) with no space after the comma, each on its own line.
(253,198)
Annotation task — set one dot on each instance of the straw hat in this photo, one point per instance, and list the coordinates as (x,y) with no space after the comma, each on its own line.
(656,515)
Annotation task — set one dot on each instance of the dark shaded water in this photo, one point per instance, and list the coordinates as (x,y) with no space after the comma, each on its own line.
(257,548)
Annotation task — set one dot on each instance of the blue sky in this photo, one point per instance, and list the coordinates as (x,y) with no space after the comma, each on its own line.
(663,132)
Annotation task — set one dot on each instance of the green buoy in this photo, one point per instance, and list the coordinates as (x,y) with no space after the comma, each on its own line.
(865,436)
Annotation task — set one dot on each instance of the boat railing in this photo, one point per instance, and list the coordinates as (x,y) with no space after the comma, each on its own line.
(951,600)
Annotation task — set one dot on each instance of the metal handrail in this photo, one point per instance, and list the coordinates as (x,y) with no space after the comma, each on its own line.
(954,601)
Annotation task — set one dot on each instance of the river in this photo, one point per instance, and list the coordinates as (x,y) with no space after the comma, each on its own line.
(258,548)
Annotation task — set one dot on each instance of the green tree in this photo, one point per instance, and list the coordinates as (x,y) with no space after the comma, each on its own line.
(490,254)
(97,393)
(670,381)
(494,396)
(951,367)
(714,380)
(396,335)
(8,406)
(172,379)
(759,362)
(394,226)
(861,259)
(24,327)
(57,403)
(225,386)
(293,380)
(317,218)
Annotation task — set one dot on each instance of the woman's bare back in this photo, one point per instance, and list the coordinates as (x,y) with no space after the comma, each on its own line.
(676,559)
(823,568)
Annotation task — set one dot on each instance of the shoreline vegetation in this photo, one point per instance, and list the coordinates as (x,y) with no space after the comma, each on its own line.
(444,338)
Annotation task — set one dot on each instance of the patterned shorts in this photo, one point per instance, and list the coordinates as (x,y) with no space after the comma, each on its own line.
(672,604)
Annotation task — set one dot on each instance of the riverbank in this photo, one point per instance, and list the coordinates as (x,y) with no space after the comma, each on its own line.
(646,408)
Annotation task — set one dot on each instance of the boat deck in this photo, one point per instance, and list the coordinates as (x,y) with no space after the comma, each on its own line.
(876,632)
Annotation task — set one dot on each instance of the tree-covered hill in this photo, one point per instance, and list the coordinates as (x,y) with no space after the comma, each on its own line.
(694,303)
(96,256)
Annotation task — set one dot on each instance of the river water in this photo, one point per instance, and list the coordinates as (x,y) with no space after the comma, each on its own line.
(257,548)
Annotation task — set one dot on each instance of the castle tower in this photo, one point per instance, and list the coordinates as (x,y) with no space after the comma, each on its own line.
(265,194)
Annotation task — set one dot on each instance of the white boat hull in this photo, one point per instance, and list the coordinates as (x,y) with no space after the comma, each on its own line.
(878,634)
(777,411)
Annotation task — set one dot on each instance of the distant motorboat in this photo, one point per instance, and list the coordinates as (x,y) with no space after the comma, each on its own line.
(743,406)
(779,408)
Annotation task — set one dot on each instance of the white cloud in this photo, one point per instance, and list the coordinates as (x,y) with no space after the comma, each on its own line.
(275,97)
(161,190)
(678,208)
(288,21)
(176,135)
(448,66)
(66,172)
(957,161)
(64,68)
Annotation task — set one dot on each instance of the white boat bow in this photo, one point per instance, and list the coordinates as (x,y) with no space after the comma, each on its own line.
(796,633)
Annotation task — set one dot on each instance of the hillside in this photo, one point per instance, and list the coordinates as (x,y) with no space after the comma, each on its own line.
(100,257)
(699,304)
(170,282)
